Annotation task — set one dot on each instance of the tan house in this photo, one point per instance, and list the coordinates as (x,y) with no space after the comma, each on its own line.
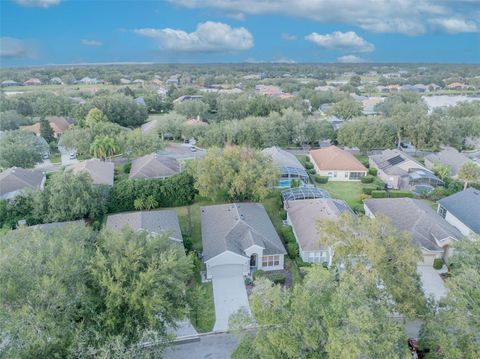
(58,124)
(337,164)
(101,172)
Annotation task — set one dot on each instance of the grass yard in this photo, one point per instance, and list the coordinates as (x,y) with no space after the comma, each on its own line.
(55,157)
(202,306)
(348,191)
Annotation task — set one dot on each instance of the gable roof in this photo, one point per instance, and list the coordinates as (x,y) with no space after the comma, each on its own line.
(236,227)
(154,166)
(152,221)
(58,124)
(388,162)
(304,215)
(465,205)
(48,227)
(416,217)
(334,158)
(16,178)
(282,158)
(101,172)
(449,156)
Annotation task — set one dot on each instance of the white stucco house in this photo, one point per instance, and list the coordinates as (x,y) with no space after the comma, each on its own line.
(462,210)
(239,238)
(337,164)
(303,216)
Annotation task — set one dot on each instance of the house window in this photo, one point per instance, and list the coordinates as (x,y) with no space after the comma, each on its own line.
(334,174)
(330,174)
(442,211)
(356,175)
(270,261)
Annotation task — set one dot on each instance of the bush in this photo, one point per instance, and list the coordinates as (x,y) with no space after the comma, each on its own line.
(283,214)
(307,159)
(258,274)
(277,278)
(311,171)
(369,189)
(438,263)
(287,235)
(379,194)
(367,179)
(320,179)
(300,263)
(358,208)
(308,165)
(126,168)
(292,249)
(372,171)
(400,194)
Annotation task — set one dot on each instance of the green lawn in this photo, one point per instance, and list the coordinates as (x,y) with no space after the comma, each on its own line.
(348,191)
(202,308)
(55,157)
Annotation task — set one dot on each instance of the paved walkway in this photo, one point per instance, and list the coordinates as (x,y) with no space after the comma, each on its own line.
(229,294)
(432,283)
(218,346)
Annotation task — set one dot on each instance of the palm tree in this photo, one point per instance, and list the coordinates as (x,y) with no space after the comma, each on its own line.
(104,147)
(469,172)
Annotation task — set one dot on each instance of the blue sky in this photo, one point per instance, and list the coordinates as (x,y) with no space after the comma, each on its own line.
(35,32)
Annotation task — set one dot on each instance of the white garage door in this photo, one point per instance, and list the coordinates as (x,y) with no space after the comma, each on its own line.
(229,293)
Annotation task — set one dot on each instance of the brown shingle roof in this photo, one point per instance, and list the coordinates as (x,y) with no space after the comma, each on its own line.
(334,158)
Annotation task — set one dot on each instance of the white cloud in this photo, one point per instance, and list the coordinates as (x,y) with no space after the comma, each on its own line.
(337,40)
(454,26)
(87,42)
(350,59)
(208,37)
(288,37)
(410,17)
(14,48)
(38,3)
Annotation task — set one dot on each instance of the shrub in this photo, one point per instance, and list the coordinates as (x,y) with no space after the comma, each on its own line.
(283,214)
(292,249)
(320,179)
(126,168)
(308,165)
(400,194)
(372,171)
(363,196)
(307,159)
(438,263)
(379,194)
(300,263)
(287,235)
(277,278)
(258,274)
(358,208)
(367,179)
(369,189)
(311,171)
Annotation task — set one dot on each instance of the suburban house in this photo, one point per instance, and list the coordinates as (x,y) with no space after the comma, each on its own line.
(185,98)
(58,124)
(157,222)
(154,166)
(288,165)
(462,210)
(14,180)
(48,227)
(337,164)
(448,156)
(299,193)
(400,171)
(239,238)
(433,234)
(303,216)
(101,172)
(32,82)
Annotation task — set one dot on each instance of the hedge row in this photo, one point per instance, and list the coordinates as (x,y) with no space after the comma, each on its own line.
(320,179)
(367,179)
(372,171)
(391,194)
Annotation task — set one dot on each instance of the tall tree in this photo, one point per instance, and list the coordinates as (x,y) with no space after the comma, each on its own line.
(237,173)
(46,130)
(104,147)
(469,172)
(20,148)
(347,109)
(94,117)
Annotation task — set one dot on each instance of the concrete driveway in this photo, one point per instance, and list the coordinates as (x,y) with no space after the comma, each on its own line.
(432,283)
(229,293)
(65,153)
(217,346)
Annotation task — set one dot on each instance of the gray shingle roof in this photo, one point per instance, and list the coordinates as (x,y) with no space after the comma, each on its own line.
(55,225)
(304,215)
(101,172)
(389,160)
(154,166)
(237,226)
(282,158)
(465,205)
(450,157)
(15,179)
(416,217)
(152,221)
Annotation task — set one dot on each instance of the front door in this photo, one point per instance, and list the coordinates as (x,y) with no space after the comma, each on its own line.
(253,262)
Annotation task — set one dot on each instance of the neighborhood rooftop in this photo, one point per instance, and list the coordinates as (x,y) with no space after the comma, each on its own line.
(465,205)
(101,172)
(16,178)
(236,227)
(334,158)
(417,217)
(154,166)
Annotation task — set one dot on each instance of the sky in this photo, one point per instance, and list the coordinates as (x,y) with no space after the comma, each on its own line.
(40,32)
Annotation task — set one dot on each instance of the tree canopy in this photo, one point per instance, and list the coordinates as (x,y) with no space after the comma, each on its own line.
(20,148)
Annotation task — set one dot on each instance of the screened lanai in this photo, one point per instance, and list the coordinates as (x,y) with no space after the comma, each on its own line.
(303,193)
